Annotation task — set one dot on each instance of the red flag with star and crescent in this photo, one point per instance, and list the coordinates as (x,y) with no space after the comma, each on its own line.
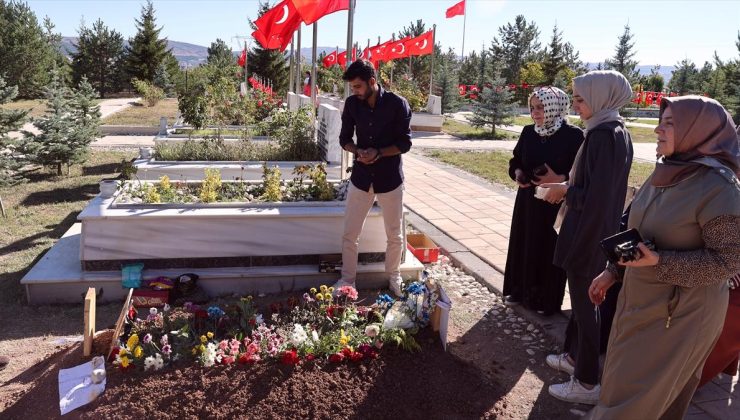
(313,10)
(456,10)
(377,53)
(242,61)
(276,26)
(342,57)
(397,49)
(421,45)
(330,59)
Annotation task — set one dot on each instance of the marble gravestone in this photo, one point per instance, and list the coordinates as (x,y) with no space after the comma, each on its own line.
(304,101)
(329,125)
(293,103)
(434,105)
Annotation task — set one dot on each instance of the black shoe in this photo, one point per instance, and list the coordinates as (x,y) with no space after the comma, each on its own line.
(511,301)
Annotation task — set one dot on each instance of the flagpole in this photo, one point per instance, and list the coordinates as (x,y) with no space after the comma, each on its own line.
(314,67)
(431,74)
(465,18)
(350,27)
(291,79)
(246,85)
(298,86)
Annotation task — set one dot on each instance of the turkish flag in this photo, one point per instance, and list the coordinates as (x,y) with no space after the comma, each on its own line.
(456,10)
(377,53)
(276,26)
(342,57)
(313,10)
(330,59)
(242,58)
(421,45)
(397,49)
(461,89)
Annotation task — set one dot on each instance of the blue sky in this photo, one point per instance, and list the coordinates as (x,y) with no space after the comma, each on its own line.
(665,31)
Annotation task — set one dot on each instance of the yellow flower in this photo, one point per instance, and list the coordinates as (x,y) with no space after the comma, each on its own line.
(122,351)
(138,352)
(133,340)
(202,348)
(209,334)
(344,339)
(322,288)
(195,350)
(124,362)
(319,296)
(203,339)
(331,290)
(327,296)
(313,290)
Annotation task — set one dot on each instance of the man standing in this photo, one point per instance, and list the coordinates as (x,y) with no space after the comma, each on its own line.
(381,120)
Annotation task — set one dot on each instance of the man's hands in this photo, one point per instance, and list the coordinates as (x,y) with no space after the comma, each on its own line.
(368,156)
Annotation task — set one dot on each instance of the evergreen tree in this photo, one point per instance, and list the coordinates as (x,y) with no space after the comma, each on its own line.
(496,106)
(271,64)
(418,67)
(146,51)
(622,60)
(683,78)
(26,55)
(69,125)
(554,61)
(162,81)
(220,53)
(99,57)
(447,81)
(11,161)
(572,59)
(469,69)
(516,45)
(654,82)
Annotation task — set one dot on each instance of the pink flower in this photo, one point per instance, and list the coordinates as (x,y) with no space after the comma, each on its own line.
(348,291)
(336,358)
(166,349)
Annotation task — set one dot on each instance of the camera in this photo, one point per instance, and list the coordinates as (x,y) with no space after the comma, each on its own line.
(628,251)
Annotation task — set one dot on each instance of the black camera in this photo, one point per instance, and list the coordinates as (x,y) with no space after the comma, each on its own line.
(623,246)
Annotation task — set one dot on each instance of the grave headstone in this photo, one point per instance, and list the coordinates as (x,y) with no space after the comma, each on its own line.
(304,100)
(329,125)
(163,126)
(293,102)
(434,105)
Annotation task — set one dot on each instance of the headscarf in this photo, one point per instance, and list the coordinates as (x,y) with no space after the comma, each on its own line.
(701,127)
(605,91)
(556,104)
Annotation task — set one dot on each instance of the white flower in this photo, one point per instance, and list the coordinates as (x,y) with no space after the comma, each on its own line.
(209,356)
(372,330)
(259,319)
(166,307)
(154,362)
(298,336)
(315,335)
(149,363)
(152,311)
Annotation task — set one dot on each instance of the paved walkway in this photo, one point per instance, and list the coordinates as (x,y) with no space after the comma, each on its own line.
(478,215)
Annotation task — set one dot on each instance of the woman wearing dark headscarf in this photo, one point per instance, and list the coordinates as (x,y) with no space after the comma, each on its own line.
(547,147)
(673,300)
(594,200)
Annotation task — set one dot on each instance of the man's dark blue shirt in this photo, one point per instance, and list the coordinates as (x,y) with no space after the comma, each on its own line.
(388,124)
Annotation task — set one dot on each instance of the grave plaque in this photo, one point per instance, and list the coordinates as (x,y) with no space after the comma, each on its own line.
(293,103)
(329,125)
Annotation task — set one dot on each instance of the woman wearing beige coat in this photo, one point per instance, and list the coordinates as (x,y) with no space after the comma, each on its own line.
(673,300)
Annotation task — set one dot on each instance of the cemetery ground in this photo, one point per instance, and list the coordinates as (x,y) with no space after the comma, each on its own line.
(493,366)
(140,115)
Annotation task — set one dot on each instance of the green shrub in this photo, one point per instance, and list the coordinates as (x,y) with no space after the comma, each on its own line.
(152,94)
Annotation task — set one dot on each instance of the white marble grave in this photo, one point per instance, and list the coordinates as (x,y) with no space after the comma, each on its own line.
(327,135)
(152,170)
(293,102)
(304,101)
(434,105)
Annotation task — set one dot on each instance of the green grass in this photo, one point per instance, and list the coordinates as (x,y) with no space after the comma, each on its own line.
(467,131)
(141,115)
(41,210)
(494,165)
(643,121)
(36,106)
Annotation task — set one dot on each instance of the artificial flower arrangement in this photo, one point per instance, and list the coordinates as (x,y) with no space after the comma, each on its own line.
(324,325)
(309,184)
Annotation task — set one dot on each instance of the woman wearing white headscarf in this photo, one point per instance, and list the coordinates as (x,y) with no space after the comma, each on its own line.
(593,203)
(547,147)
(674,299)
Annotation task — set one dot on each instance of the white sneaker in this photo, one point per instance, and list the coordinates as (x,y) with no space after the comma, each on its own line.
(572,391)
(395,284)
(342,283)
(560,363)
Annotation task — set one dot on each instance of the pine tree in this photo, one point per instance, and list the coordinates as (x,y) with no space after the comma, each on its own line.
(496,106)
(220,53)
(162,81)
(99,57)
(554,61)
(69,125)
(146,51)
(518,44)
(26,55)
(420,66)
(446,81)
(469,69)
(683,78)
(655,82)
(271,64)
(11,161)
(622,60)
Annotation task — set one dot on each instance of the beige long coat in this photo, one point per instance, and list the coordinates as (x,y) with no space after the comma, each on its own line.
(651,371)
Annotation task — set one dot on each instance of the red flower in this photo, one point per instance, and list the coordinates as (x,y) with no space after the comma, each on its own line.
(355,356)
(310,357)
(252,321)
(113,354)
(347,352)
(259,103)
(201,313)
(227,360)
(290,357)
(245,358)
(336,358)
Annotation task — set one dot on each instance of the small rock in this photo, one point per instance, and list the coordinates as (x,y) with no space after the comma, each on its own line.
(527,338)
(530,327)
(530,352)
(507,331)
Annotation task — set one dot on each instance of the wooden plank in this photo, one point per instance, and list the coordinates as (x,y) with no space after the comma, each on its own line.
(120,322)
(89,322)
